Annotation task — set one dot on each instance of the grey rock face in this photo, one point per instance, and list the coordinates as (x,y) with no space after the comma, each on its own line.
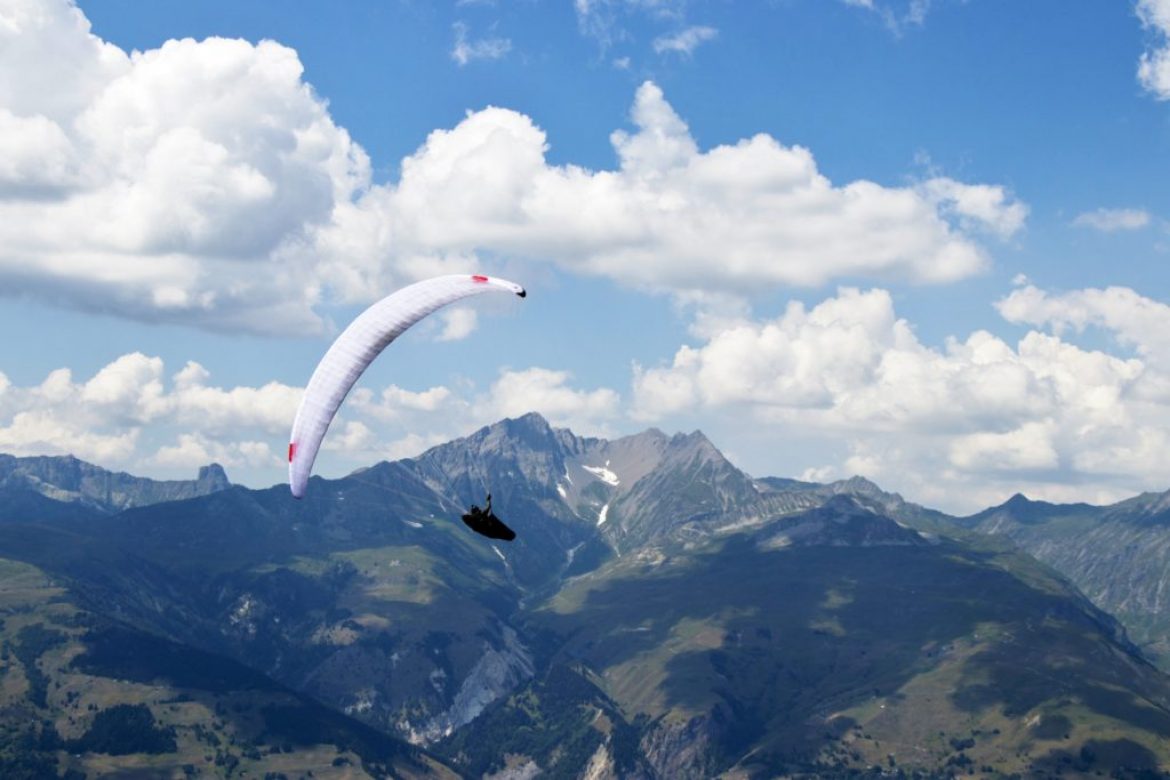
(498,671)
(67,479)
(681,750)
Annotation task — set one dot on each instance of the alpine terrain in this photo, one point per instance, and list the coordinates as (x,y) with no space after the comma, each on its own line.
(661,614)
(1118,555)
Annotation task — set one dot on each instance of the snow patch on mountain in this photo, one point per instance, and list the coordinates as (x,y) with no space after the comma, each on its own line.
(601,516)
(604,474)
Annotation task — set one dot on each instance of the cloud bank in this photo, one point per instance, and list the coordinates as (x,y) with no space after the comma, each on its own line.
(130,414)
(205,183)
(959,427)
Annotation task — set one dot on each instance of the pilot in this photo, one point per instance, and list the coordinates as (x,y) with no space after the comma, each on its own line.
(485,523)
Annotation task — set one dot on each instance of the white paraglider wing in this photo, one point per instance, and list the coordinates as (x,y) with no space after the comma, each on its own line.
(357,347)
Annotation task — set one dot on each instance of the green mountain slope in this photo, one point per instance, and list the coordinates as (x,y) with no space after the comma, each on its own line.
(81,694)
(780,651)
(1118,555)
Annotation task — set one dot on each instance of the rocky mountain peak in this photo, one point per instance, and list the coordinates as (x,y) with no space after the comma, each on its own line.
(530,430)
(694,442)
(212,478)
(858,484)
(1017,501)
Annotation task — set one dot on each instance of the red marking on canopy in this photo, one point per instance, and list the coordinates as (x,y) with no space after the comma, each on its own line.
(292,450)
(479,278)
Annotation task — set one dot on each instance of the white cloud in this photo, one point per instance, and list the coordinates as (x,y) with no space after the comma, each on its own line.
(959,427)
(112,417)
(896,14)
(192,450)
(205,183)
(1029,447)
(130,415)
(672,218)
(516,393)
(684,41)
(604,20)
(1154,66)
(129,388)
(465,51)
(349,437)
(179,183)
(978,206)
(1135,320)
(269,408)
(395,402)
(38,432)
(457,324)
(72,66)
(1112,220)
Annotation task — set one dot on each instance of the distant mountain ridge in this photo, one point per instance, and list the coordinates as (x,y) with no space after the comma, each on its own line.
(661,614)
(66,479)
(1118,555)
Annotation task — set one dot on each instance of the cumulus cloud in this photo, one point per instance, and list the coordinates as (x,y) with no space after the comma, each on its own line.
(1154,66)
(1136,321)
(457,324)
(395,402)
(192,450)
(673,218)
(466,50)
(1112,220)
(684,41)
(130,414)
(110,417)
(956,426)
(179,183)
(204,182)
(548,392)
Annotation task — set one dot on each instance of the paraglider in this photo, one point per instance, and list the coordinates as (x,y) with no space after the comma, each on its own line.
(356,348)
(485,523)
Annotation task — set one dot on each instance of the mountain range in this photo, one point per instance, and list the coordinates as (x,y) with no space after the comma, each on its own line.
(1118,555)
(661,614)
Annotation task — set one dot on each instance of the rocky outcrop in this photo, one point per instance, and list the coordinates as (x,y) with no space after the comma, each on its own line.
(498,672)
(67,479)
(681,750)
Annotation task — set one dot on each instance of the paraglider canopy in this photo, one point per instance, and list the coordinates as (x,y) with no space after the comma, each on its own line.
(357,346)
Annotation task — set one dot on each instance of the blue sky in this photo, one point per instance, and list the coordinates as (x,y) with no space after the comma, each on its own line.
(921,241)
